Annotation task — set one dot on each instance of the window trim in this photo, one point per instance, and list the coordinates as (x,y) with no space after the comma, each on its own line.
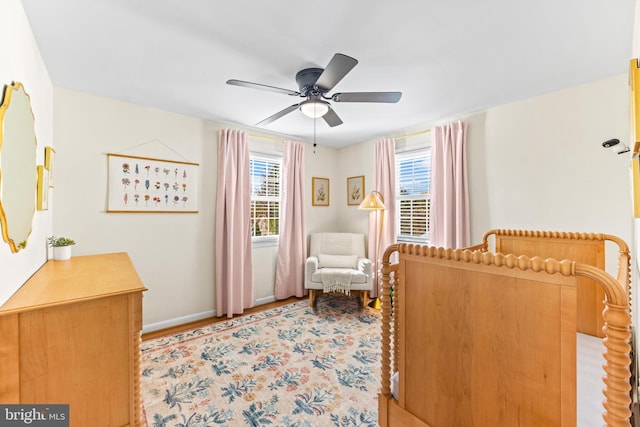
(274,239)
(404,154)
(265,241)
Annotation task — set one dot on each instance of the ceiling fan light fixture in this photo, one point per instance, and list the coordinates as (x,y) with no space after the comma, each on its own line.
(314,108)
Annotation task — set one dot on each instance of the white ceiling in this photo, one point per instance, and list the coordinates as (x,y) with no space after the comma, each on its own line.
(447,57)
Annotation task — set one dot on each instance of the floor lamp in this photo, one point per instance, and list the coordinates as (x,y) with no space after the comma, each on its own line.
(375,202)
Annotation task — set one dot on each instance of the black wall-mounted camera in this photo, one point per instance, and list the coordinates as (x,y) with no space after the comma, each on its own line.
(610,142)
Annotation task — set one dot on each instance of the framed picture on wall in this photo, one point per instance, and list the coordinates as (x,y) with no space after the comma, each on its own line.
(320,191)
(355,190)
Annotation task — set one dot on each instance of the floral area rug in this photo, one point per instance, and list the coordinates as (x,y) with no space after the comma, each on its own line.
(288,366)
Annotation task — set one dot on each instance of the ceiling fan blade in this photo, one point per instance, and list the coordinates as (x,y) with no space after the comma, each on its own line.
(337,68)
(367,97)
(277,115)
(242,83)
(332,118)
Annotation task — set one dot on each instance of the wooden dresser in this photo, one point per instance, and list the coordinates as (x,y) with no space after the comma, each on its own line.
(71,335)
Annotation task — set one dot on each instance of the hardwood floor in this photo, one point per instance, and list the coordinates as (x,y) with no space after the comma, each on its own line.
(210,320)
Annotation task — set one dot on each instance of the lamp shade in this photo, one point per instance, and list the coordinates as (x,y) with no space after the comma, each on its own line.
(373,202)
(314,108)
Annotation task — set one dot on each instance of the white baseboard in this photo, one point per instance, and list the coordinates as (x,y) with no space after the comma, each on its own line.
(169,323)
(265,300)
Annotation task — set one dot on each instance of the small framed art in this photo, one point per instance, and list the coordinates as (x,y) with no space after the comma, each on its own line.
(320,191)
(355,190)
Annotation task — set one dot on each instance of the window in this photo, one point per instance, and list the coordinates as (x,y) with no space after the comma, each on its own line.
(265,196)
(413,180)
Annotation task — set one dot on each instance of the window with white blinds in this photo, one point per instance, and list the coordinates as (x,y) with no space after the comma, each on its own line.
(265,195)
(413,178)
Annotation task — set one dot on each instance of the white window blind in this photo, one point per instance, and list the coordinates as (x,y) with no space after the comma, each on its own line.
(265,195)
(413,178)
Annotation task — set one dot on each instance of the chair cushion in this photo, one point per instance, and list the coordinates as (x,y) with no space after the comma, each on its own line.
(337,244)
(357,277)
(337,261)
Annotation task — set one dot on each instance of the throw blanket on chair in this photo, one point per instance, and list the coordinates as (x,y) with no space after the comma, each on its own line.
(336,281)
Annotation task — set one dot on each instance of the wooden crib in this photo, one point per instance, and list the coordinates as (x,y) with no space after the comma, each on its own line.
(484,339)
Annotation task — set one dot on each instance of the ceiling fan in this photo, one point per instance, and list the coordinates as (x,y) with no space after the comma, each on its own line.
(314,84)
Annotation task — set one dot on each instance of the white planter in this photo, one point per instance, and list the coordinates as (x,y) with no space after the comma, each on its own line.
(62,253)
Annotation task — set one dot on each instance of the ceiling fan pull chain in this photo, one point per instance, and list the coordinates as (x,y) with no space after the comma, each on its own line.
(314,135)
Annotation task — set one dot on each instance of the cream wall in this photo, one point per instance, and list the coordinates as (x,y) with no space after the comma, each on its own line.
(539,163)
(20,61)
(173,253)
(322,164)
(355,160)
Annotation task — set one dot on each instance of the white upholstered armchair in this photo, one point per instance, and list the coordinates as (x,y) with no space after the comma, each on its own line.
(337,263)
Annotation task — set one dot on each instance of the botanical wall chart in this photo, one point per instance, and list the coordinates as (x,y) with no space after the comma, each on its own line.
(142,184)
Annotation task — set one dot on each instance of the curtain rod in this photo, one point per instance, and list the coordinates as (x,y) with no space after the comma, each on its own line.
(281,139)
(420,132)
(271,138)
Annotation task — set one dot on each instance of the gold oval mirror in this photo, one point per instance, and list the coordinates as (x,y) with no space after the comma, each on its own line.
(18,173)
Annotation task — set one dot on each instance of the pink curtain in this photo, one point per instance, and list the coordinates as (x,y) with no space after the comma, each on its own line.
(449,226)
(234,265)
(384,181)
(292,243)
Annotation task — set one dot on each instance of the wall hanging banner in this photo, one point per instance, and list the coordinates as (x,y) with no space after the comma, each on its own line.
(142,184)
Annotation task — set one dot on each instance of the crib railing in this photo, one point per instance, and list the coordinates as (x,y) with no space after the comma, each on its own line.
(388,299)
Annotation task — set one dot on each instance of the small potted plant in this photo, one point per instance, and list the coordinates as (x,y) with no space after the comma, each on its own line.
(61,247)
